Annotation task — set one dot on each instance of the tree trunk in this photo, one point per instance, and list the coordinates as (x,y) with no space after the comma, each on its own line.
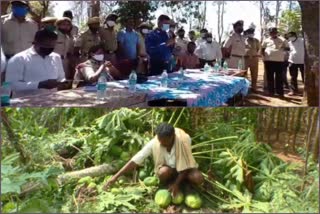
(310,27)
(4,7)
(278,5)
(315,151)
(95,8)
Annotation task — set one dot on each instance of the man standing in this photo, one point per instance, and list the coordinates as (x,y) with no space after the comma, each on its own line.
(251,58)
(64,45)
(73,33)
(296,60)
(128,43)
(144,29)
(181,42)
(159,46)
(17,31)
(172,156)
(209,51)
(234,46)
(37,67)
(203,34)
(109,37)
(272,50)
(89,38)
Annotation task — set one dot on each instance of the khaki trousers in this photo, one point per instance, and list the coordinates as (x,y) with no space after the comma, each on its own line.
(233,62)
(252,63)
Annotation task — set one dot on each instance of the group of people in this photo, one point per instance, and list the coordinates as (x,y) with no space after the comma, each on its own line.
(53,53)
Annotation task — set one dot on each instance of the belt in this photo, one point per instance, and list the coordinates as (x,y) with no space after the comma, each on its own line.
(234,55)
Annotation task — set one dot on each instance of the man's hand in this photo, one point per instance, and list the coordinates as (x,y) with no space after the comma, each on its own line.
(48,84)
(109,183)
(64,85)
(174,189)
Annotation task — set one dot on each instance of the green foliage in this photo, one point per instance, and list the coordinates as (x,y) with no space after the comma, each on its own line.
(290,21)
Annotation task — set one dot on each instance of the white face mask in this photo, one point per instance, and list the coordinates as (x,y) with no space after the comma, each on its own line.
(250,35)
(209,39)
(172,29)
(98,57)
(111,23)
(203,35)
(145,31)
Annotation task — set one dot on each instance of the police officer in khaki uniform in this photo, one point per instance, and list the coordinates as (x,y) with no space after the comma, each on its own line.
(251,58)
(64,45)
(109,37)
(17,31)
(49,23)
(88,39)
(234,46)
(74,29)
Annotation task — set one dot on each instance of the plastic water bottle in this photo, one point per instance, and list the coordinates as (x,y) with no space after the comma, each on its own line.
(164,79)
(102,87)
(240,65)
(132,81)
(225,66)
(5,94)
(181,73)
(216,67)
(206,68)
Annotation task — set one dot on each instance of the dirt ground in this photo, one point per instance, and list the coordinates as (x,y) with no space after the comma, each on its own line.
(261,99)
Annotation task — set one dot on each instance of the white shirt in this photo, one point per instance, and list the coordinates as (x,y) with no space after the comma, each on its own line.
(296,55)
(26,69)
(3,62)
(274,49)
(199,41)
(146,151)
(209,51)
(183,44)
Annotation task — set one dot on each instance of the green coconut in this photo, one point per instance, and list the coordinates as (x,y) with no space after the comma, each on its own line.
(163,198)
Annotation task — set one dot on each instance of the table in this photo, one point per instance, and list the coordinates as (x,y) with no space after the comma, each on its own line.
(81,98)
(198,89)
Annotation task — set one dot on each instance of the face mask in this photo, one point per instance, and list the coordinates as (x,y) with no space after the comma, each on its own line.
(165,27)
(98,57)
(172,29)
(111,23)
(50,28)
(145,31)
(45,51)
(209,40)
(250,35)
(292,39)
(181,35)
(203,35)
(19,11)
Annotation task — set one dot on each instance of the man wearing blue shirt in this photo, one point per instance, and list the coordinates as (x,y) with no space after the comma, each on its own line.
(159,47)
(128,41)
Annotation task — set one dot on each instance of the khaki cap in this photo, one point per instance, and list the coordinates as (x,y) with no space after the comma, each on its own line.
(94,20)
(23,2)
(49,19)
(63,19)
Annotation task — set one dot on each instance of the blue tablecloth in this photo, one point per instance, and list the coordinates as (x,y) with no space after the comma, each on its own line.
(199,89)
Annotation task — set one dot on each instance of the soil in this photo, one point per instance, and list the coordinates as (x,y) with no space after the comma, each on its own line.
(260,98)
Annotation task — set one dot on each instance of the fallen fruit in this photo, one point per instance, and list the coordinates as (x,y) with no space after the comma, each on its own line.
(85,180)
(150,181)
(193,201)
(142,174)
(115,151)
(92,185)
(163,198)
(115,190)
(178,199)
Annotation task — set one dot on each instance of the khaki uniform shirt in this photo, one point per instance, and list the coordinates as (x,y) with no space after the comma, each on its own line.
(109,39)
(237,44)
(86,40)
(274,49)
(142,45)
(64,45)
(74,31)
(252,47)
(16,36)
